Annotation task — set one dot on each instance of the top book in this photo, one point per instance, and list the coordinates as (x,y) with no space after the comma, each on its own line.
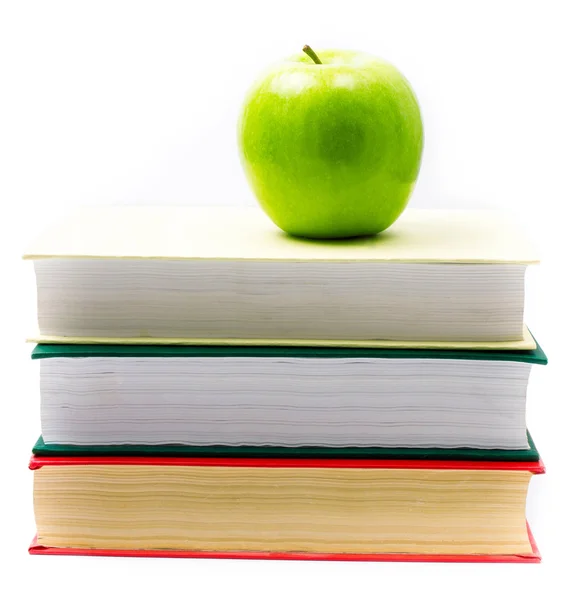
(221,275)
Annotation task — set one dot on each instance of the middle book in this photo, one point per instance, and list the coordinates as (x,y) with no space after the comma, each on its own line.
(290,399)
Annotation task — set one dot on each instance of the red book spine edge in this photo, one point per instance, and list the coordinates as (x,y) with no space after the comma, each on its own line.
(36,462)
(534,557)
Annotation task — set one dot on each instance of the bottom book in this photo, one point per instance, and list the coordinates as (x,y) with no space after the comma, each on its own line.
(313,509)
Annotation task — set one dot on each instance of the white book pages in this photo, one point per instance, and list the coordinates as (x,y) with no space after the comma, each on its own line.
(284,402)
(284,300)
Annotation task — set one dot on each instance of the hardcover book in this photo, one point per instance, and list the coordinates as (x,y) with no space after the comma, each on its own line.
(182,275)
(283,508)
(269,397)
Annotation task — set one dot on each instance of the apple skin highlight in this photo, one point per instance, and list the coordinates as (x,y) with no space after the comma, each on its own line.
(331,150)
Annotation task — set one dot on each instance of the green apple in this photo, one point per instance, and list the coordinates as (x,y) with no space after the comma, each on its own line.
(331,143)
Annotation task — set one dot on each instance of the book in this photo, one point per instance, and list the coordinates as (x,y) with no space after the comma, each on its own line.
(183,275)
(272,397)
(283,508)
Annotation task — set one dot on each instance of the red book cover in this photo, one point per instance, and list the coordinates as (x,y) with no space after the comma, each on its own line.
(534,467)
(537,467)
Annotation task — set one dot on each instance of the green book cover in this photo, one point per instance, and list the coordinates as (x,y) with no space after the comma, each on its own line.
(43,351)
(530,455)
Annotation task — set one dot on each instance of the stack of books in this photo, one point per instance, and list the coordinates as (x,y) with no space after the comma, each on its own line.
(211,386)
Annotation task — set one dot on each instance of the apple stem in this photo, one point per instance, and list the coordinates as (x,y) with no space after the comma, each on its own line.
(312,54)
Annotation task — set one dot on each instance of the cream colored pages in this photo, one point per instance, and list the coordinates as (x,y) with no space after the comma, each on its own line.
(527,343)
(419,236)
(282,509)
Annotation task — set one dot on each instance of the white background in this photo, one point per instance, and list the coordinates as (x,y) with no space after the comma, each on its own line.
(136,102)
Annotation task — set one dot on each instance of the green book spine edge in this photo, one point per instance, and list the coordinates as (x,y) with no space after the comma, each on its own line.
(44,351)
(529,455)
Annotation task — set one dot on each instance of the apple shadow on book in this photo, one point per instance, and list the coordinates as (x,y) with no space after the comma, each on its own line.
(361,240)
